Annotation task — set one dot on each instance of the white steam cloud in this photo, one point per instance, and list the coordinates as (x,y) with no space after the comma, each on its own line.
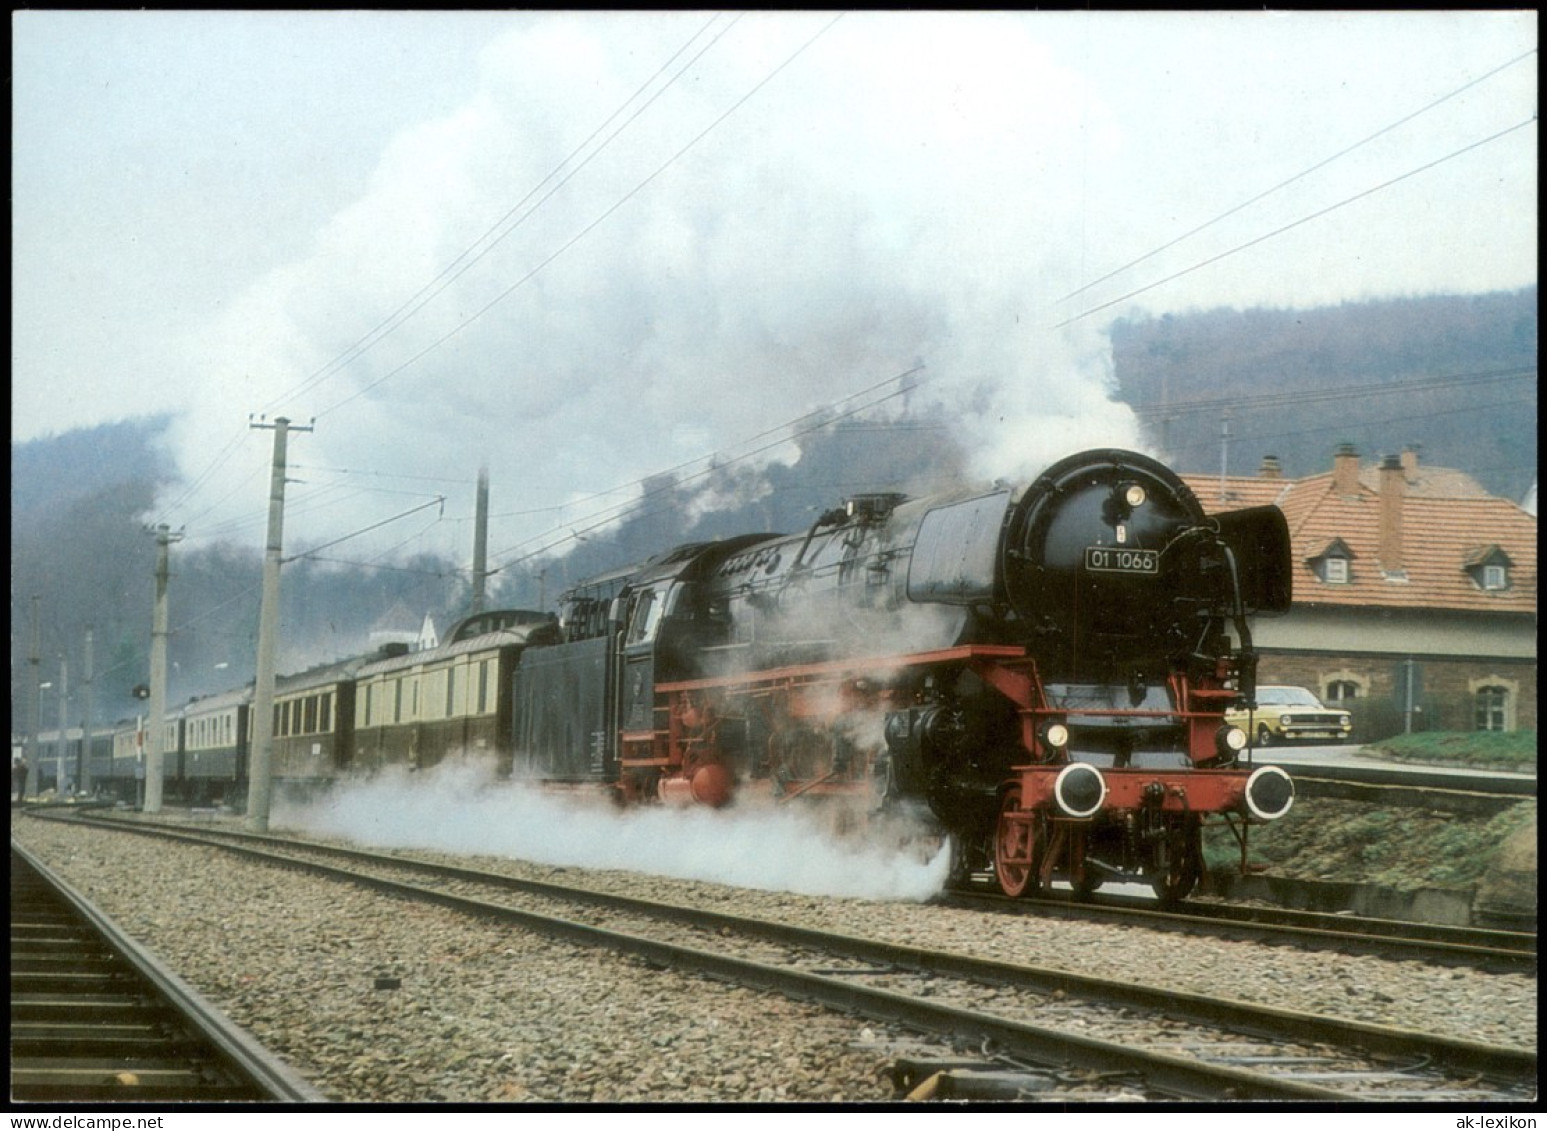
(461,807)
(897,192)
(211,207)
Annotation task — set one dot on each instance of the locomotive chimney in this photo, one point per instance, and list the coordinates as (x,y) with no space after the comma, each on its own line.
(1271,468)
(1345,471)
(1393,492)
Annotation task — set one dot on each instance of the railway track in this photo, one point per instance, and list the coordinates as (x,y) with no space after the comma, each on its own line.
(1475,947)
(1030,1031)
(96,1018)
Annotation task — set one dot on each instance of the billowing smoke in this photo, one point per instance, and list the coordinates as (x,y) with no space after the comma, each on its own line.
(585,247)
(891,194)
(461,807)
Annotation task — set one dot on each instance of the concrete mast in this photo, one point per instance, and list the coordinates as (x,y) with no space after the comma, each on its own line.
(260,786)
(155,745)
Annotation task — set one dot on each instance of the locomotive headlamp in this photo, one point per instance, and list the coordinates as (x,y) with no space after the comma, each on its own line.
(1118,506)
(1230,740)
(1079,790)
(1055,735)
(1269,793)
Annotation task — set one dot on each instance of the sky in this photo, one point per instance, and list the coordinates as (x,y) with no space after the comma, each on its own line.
(582,248)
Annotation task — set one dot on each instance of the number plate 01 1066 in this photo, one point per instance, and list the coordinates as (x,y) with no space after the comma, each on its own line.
(1115,559)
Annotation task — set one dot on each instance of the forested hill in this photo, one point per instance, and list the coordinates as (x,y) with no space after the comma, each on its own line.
(1455,375)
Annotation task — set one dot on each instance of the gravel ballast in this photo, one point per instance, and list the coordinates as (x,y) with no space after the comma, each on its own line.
(377,1000)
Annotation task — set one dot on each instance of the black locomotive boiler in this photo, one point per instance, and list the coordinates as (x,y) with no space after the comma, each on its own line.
(1044,671)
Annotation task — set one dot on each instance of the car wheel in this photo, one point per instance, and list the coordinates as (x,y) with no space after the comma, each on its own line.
(1264,735)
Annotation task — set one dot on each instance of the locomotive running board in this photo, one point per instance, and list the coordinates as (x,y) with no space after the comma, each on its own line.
(837,669)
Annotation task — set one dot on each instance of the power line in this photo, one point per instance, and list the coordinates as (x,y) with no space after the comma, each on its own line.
(1322,164)
(489,239)
(1337,393)
(793,427)
(398,316)
(611,514)
(437,501)
(1297,223)
(585,231)
(1340,427)
(382,474)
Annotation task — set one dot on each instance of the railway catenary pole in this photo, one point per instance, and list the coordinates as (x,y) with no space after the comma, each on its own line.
(260,784)
(63,748)
(155,746)
(481,541)
(83,774)
(34,708)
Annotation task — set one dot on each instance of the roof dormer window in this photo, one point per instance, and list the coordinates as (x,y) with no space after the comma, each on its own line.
(1489,569)
(1332,565)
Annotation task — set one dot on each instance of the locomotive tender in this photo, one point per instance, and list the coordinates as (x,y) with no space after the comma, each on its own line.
(1043,673)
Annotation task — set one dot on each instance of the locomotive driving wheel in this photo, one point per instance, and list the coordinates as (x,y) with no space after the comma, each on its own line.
(1020,841)
(1178,861)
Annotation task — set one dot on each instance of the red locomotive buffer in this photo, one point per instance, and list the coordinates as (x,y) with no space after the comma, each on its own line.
(1043,673)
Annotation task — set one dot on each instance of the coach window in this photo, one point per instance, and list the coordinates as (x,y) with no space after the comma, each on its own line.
(325,712)
(483,686)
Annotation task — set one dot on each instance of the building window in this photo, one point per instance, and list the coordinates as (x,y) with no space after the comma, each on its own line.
(1342,691)
(1335,571)
(1495,577)
(1492,707)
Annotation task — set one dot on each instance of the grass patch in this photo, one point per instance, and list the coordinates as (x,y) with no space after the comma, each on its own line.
(1403,848)
(1482,750)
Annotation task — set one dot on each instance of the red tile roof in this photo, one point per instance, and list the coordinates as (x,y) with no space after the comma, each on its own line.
(1449,523)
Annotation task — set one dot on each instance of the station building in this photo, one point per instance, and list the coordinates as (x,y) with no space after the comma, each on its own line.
(1414,593)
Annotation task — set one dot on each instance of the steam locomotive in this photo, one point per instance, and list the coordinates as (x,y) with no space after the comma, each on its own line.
(1041,675)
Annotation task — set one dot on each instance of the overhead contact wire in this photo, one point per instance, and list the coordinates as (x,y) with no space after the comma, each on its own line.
(1298,223)
(575,239)
(1322,164)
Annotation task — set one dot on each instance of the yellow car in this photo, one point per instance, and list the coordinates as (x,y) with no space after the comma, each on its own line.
(1288,714)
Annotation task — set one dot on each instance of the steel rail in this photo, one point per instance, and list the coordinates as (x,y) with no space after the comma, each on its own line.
(248,1062)
(1490,1061)
(1493,950)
